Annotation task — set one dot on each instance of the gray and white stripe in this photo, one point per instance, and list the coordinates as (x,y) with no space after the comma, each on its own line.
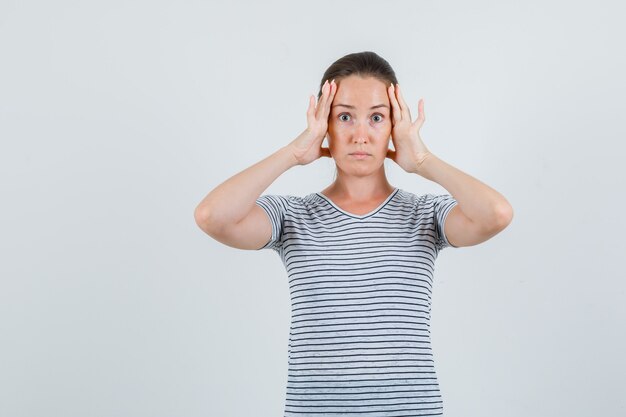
(361,291)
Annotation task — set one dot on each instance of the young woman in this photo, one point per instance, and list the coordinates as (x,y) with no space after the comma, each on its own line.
(360,254)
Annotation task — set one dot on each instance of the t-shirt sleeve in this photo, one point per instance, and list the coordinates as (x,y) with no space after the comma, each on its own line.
(276,206)
(439,206)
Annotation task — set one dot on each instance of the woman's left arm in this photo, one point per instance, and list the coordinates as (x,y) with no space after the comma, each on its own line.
(481,212)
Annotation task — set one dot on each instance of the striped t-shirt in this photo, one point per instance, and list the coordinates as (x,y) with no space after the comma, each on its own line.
(361,289)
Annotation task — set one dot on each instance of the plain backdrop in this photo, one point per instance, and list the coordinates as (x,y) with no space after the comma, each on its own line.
(118,117)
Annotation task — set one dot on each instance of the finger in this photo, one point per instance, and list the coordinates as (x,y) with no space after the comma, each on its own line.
(321,104)
(310,111)
(332,89)
(421,117)
(319,100)
(405,107)
(396,111)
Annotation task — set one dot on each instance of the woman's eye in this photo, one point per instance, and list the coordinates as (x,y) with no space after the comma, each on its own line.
(347,115)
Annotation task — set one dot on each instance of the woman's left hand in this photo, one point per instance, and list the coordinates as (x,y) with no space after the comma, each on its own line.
(410,152)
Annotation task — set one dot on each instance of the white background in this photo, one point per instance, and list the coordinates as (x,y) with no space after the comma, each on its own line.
(118,117)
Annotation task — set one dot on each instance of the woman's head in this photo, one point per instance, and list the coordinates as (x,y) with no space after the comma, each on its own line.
(365,64)
(360,115)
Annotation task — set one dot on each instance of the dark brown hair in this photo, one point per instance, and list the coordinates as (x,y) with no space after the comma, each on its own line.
(364,64)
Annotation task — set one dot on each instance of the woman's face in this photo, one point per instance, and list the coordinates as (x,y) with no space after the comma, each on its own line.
(359,120)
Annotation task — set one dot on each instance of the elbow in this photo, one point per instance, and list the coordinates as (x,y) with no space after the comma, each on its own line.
(504,215)
(210,224)
(202,217)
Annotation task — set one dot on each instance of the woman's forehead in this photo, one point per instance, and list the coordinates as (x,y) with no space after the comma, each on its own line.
(359,93)
(360,101)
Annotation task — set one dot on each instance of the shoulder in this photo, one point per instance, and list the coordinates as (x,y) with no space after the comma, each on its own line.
(288,202)
(428,199)
(427,203)
(410,199)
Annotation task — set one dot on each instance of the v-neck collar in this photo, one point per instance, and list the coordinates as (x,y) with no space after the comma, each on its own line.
(362,216)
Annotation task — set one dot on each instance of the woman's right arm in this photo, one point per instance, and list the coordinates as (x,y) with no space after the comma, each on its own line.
(229,213)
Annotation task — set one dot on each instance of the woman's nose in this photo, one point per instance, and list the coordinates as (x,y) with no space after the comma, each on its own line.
(361,132)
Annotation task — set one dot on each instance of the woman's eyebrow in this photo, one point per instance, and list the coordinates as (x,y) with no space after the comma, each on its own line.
(352,107)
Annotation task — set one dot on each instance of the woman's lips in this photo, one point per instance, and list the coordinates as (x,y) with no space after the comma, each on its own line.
(359,155)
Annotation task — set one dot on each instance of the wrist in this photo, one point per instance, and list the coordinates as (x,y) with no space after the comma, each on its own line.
(289,156)
(421,163)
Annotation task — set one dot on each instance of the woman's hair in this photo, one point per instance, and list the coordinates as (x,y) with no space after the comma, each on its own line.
(364,64)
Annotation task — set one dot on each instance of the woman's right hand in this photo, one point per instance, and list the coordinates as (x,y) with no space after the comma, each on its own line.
(307,147)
